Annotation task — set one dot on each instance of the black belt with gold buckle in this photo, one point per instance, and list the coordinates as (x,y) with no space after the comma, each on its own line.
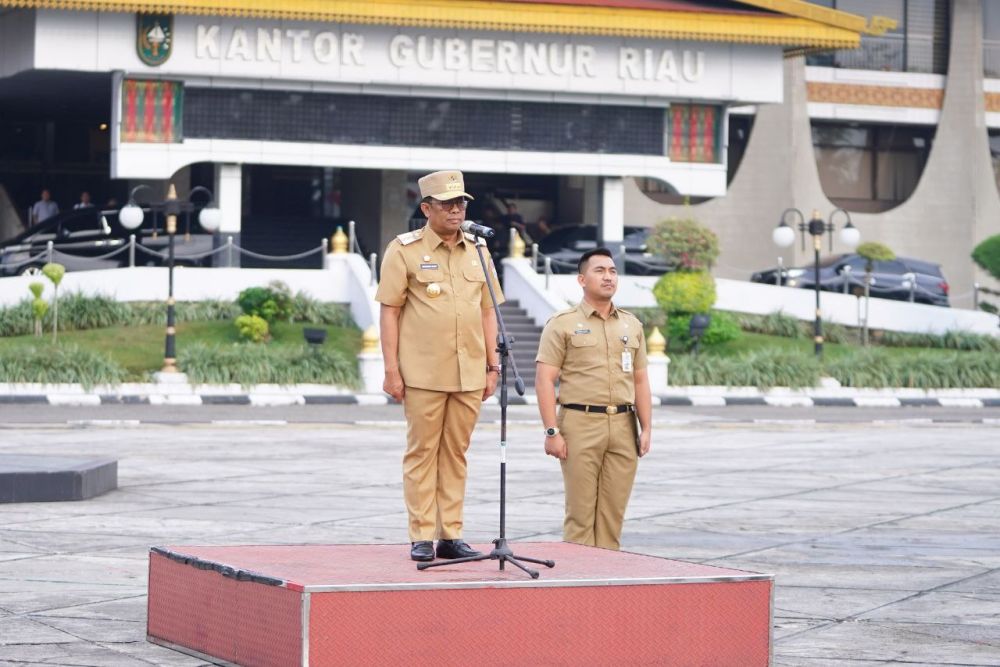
(606,409)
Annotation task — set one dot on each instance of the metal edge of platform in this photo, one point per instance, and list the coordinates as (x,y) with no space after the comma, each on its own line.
(304,623)
(190,651)
(532,583)
(229,571)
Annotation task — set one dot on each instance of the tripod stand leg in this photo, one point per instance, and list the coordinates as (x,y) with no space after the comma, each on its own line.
(532,573)
(546,563)
(453,561)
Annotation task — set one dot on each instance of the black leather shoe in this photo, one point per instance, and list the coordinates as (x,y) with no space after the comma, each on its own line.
(455,549)
(423,550)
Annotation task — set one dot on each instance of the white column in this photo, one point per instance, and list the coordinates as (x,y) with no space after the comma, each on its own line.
(612,210)
(613,218)
(229,196)
(657,370)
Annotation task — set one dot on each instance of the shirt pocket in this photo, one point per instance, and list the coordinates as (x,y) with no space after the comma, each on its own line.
(474,283)
(583,340)
(425,276)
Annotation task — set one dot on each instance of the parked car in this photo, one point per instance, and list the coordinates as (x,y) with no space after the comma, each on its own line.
(890,280)
(566,244)
(82,239)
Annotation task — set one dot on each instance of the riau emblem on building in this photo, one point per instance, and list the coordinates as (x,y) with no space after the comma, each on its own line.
(154,38)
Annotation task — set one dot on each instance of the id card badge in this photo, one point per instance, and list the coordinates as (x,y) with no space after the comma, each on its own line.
(627,361)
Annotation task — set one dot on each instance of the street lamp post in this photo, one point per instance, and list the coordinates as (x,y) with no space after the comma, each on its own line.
(131,217)
(784,235)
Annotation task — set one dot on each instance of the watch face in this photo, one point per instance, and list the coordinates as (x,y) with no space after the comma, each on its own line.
(551,431)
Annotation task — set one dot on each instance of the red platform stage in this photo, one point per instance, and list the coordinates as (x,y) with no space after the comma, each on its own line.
(368,605)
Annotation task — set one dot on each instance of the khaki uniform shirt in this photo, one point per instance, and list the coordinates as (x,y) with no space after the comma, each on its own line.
(441,341)
(588,351)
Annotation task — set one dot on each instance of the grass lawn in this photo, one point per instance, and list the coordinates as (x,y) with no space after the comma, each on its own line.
(140,349)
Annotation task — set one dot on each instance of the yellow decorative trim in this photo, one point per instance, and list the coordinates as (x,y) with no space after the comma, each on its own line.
(878,25)
(878,96)
(993,102)
(781,30)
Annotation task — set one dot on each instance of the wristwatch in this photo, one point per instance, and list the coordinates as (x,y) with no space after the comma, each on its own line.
(492,367)
(551,432)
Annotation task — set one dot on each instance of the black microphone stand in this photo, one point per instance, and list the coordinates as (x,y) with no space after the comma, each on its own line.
(501,549)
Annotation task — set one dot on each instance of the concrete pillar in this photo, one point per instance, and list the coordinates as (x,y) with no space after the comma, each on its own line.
(229,197)
(612,229)
(395,214)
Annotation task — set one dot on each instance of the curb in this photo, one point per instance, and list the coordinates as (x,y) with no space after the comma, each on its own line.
(697,398)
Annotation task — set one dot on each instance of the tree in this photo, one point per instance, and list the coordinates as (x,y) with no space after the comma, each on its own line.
(55,273)
(987,256)
(872,252)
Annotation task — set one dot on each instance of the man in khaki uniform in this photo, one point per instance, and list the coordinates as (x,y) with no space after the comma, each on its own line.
(597,353)
(439,342)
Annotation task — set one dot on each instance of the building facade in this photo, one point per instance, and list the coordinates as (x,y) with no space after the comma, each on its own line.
(302,115)
(904,133)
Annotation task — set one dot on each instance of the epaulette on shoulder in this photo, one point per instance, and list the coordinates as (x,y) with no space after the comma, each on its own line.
(560,313)
(409,237)
(475,239)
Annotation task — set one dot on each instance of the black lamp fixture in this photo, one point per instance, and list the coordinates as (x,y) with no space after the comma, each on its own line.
(131,217)
(314,336)
(697,327)
(784,236)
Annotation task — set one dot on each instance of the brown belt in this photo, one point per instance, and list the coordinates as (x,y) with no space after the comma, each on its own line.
(606,409)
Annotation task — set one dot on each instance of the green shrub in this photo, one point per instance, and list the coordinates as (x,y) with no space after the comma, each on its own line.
(273,303)
(685,292)
(952,340)
(987,255)
(877,368)
(51,364)
(253,328)
(762,369)
(307,309)
(223,364)
(874,251)
(91,312)
(685,243)
(722,328)
(650,317)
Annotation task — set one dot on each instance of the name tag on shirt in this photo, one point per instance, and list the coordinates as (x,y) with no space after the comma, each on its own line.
(627,361)
(428,266)
(581,331)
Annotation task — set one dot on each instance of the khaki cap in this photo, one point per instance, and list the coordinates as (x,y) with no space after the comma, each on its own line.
(443,185)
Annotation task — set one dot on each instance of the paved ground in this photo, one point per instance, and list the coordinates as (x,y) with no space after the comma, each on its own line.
(885,538)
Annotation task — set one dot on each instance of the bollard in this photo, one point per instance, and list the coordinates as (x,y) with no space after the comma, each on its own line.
(229,251)
(370,362)
(48,252)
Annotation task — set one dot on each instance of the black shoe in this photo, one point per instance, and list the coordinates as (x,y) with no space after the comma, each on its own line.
(455,549)
(423,550)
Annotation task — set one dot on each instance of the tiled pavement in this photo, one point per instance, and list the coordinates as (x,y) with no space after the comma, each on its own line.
(884,538)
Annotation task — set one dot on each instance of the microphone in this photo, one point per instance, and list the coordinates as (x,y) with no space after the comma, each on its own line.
(481,231)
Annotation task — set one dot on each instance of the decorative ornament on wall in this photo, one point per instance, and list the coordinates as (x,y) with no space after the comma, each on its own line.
(154,38)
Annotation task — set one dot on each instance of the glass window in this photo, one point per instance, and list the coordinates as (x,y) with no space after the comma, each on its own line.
(991,39)
(870,168)
(918,43)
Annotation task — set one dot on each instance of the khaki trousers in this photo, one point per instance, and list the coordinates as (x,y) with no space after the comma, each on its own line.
(597,474)
(438,429)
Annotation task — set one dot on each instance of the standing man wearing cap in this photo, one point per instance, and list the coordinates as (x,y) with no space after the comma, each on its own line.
(439,334)
(597,353)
